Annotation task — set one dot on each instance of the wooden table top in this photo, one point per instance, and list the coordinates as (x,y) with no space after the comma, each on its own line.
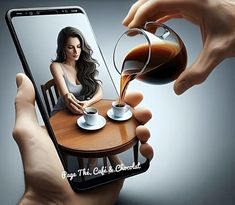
(113,138)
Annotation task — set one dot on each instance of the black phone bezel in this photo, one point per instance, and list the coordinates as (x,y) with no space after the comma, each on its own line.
(76,186)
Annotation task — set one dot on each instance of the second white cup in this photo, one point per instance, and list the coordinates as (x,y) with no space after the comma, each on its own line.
(119,110)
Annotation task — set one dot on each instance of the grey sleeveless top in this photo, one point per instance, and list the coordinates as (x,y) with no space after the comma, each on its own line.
(74,89)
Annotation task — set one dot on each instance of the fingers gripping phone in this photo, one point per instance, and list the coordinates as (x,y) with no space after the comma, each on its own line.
(91,155)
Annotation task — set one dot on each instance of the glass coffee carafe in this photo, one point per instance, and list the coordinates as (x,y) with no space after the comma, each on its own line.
(154,54)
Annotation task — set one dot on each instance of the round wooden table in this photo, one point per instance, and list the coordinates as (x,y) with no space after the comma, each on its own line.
(115,137)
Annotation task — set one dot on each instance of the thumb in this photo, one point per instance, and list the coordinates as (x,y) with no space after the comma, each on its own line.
(24,105)
(198,72)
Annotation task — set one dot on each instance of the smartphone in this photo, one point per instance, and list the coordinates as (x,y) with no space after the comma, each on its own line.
(89,157)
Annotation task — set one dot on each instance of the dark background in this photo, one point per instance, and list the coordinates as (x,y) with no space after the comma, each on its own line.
(193,135)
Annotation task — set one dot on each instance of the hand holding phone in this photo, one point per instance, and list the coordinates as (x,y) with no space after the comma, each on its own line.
(37,53)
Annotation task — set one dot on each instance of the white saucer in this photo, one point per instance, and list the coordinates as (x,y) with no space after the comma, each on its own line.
(100,123)
(127,115)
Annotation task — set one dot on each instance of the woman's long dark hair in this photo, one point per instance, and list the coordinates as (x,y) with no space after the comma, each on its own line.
(85,65)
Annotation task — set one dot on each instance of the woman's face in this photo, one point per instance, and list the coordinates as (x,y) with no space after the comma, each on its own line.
(73,48)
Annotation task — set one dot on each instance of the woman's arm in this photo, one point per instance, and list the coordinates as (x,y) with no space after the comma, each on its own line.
(98,96)
(71,102)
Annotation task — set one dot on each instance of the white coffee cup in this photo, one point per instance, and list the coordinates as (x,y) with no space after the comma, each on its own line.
(119,110)
(90,115)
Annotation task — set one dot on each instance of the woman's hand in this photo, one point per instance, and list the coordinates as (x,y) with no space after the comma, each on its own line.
(73,104)
(85,103)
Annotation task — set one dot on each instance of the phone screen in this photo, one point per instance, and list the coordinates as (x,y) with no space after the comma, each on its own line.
(37,35)
(35,32)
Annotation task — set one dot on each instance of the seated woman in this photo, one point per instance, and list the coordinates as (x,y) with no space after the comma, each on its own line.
(75,71)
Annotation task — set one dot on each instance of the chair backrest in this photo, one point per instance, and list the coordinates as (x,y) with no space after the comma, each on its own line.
(50,94)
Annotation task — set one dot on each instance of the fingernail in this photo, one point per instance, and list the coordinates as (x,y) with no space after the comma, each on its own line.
(19,80)
(181,87)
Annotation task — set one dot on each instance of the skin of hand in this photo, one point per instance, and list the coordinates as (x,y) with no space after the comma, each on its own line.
(73,104)
(214,18)
(42,166)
